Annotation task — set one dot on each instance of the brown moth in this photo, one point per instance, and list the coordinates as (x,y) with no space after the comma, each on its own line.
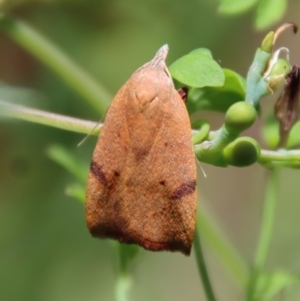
(142,182)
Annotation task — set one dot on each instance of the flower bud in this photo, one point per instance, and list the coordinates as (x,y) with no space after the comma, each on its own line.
(267,43)
(278,74)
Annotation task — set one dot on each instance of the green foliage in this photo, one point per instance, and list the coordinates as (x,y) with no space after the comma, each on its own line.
(236,6)
(268,12)
(218,98)
(271,284)
(197,70)
(76,191)
(210,88)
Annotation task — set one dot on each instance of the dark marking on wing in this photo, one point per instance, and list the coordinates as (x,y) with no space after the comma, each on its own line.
(140,153)
(98,172)
(163,183)
(183,190)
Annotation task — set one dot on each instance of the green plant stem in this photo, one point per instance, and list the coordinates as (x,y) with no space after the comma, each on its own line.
(50,119)
(125,255)
(39,46)
(223,248)
(202,133)
(217,144)
(279,158)
(265,232)
(268,220)
(122,286)
(202,268)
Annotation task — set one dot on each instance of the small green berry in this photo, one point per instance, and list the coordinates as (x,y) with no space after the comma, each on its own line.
(244,151)
(240,116)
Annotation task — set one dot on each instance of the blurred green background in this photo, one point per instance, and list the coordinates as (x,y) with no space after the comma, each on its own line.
(46,252)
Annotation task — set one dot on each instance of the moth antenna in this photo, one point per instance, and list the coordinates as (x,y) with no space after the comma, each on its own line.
(89,134)
(202,169)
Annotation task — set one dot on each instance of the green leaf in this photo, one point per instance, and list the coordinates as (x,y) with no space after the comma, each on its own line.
(76,191)
(269,12)
(66,159)
(197,70)
(271,284)
(236,6)
(234,82)
(218,98)
(202,51)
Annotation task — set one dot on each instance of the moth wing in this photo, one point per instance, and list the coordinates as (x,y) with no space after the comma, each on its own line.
(108,160)
(142,183)
(155,200)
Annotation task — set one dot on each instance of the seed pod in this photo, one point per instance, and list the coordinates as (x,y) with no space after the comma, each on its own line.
(287,108)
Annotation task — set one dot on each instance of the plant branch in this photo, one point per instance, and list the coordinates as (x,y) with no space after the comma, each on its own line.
(279,158)
(123,286)
(268,220)
(50,119)
(202,267)
(39,46)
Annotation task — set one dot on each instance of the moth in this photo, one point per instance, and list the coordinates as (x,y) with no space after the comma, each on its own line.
(142,182)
